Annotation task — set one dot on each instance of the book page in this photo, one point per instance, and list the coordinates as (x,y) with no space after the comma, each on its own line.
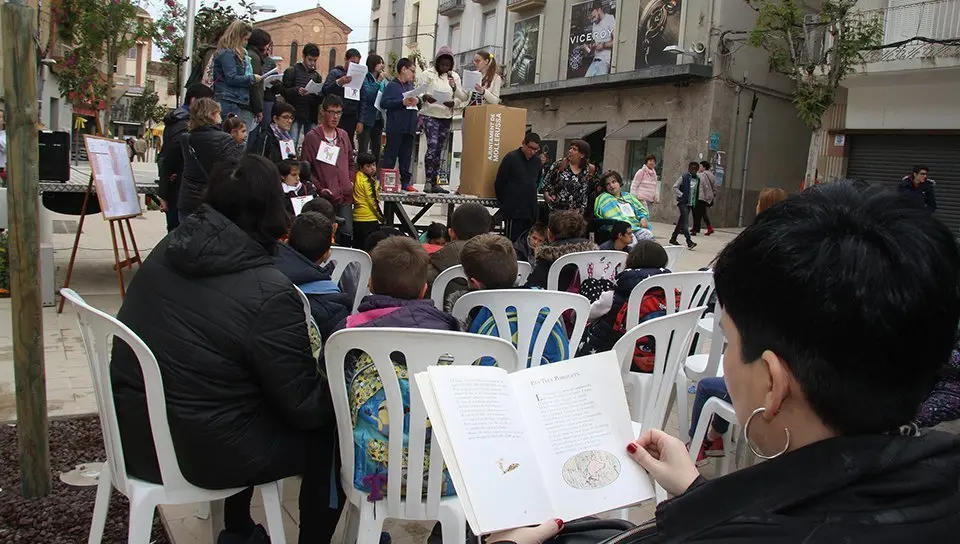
(493,455)
(576,413)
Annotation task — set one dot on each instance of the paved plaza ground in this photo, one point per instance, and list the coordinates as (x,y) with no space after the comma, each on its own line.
(69,388)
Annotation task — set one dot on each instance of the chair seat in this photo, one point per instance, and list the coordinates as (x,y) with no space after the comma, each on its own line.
(705,325)
(164,497)
(696,365)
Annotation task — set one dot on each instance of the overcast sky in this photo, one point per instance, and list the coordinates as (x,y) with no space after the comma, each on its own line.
(354,13)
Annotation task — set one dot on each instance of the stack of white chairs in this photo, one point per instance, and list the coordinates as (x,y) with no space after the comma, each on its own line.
(98,329)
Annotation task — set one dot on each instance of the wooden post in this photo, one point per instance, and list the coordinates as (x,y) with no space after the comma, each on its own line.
(23,167)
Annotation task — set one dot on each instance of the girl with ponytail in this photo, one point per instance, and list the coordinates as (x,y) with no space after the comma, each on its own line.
(488,90)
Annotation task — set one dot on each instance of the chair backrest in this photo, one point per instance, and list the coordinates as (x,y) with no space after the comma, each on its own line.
(343,256)
(694,287)
(439,289)
(590,264)
(97,329)
(673,255)
(717,342)
(421,349)
(528,304)
(673,334)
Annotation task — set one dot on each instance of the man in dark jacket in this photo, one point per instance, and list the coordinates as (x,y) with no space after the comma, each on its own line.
(171,154)
(686,190)
(919,188)
(401,122)
(299,259)
(295,79)
(333,85)
(516,186)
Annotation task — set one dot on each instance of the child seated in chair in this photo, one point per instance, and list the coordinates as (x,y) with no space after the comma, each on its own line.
(646,259)
(435,238)
(565,235)
(398,283)
(490,262)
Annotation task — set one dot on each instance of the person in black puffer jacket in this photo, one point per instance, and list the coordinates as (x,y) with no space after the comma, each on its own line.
(245,401)
(295,79)
(563,237)
(203,148)
(170,163)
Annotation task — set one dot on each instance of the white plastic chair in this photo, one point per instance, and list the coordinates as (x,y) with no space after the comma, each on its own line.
(343,256)
(606,264)
(673,255)
(97,329)
(439,289)
(421,348)
(528,304)
(722,409)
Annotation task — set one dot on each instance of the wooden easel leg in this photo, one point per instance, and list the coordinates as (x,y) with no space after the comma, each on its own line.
(123,239)
(116,259)
(136,252)
(76,242)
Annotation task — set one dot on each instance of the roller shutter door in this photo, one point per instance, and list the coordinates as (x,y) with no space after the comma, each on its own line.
(885,158)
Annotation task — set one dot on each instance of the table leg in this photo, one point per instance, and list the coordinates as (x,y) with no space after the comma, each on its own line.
(421,213)
(405,221)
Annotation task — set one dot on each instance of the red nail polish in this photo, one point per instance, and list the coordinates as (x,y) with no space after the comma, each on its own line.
(631,448)
(559,524)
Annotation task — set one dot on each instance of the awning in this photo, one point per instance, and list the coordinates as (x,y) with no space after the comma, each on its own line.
(574,131)
(636,130)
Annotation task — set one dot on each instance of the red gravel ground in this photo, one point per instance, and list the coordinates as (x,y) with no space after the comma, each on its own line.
(62,517)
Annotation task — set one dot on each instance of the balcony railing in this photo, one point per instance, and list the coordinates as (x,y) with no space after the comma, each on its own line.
(465,58)
(525,5)
(913,31)
(451,7)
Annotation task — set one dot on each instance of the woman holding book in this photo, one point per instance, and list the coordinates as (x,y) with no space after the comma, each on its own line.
(827,406)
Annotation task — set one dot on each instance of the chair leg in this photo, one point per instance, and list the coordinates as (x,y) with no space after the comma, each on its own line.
(683,413)
(271,494)
(141,521)
(102,506)
(453,526)
(203,511)
(215,513)
(370,527)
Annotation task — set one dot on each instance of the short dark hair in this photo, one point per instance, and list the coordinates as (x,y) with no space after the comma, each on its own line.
(322,206)
(365,158)
(620,228)
(469,220)
(311,50)
(883,268)
(246,192)
(646,254)
(404,63)
(531,137)
(539,228)
(583,147)
(373,60)
(597,4)
(649,157)
(280,108)
(436,230)
(378,236)
(611,174)
(331,100)
(706,165)
(567,224)
(288,165)
(352,53)
(304,171)
(259,39)
(491,260)
(390,257)
(197,90)
(311,235)
(918,168)
(693,164)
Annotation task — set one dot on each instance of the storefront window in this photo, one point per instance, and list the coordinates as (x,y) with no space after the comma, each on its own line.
(638,149)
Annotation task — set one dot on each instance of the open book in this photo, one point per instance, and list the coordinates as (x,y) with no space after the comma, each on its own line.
(543,443)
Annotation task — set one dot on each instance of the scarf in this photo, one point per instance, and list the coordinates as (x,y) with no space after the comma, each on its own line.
(287,189)
(281,134)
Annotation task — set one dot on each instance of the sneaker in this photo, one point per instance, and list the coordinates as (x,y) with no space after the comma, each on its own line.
(694,233)
(411,189)
(258,536)
(440,190)
(674,242)
(691,244)
(713,448)
(709,230)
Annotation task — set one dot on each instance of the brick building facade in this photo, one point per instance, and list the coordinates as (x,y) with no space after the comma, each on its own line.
(316,25)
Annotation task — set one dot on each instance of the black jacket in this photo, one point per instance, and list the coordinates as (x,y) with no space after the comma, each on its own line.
(294,78)
(866,489)
(243,390)
(351,108)
(212,146)
(256,90)
(547,253)
(262,141)
(923,195)
(328,309)
(516,185)
(171,154)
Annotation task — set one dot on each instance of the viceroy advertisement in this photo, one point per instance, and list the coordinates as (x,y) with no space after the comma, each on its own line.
(592,28)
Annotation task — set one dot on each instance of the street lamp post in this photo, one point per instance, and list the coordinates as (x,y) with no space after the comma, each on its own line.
(188,47)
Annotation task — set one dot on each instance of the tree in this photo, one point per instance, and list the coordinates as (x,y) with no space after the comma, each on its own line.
(817,51)
(100,31)
(146,109)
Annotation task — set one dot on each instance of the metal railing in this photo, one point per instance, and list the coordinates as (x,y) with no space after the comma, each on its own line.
(451,6)
(914,31)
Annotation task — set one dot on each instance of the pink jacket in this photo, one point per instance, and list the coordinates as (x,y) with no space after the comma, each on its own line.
(645,185)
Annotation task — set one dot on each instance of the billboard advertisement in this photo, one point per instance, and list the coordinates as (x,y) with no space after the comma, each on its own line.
(592,28)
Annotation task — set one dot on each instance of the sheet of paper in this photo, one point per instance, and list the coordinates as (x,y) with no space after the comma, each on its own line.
(287,149)
(298,202)
(312,87)
(268,80)
(417,91)
(441,96)
(494,457)
(376,102)
(470,80)
(274,71)
(576,413)
(328,153)
(357,73)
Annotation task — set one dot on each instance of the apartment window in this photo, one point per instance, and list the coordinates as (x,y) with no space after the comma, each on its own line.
(333,58)
(415,18)
(454,40)
(489,29)
(132,53)
(293,52)
(374,32)
(638,149)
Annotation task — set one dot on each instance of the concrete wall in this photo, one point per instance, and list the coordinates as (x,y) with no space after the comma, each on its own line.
(904,107)
(471,26)
(425,24)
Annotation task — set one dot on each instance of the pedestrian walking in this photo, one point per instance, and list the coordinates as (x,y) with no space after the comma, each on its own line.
(686,190)
(706,193)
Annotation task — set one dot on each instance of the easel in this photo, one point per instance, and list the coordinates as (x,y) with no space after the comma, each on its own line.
(116,223)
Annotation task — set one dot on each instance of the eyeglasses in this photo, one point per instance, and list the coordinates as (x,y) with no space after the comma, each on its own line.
(287,116)
(334,113)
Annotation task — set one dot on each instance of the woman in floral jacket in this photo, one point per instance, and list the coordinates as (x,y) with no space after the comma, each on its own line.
(569,180)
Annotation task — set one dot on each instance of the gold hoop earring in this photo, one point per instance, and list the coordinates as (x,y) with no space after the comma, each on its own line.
(753,448)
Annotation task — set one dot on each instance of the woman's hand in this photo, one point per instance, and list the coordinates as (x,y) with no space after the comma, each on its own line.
(428,99)
(666,459)
(479,88)
(452,82)
(410,101)
(528,535)
(449,103)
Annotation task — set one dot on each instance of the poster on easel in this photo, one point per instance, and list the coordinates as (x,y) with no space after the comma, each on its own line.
(113,177)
